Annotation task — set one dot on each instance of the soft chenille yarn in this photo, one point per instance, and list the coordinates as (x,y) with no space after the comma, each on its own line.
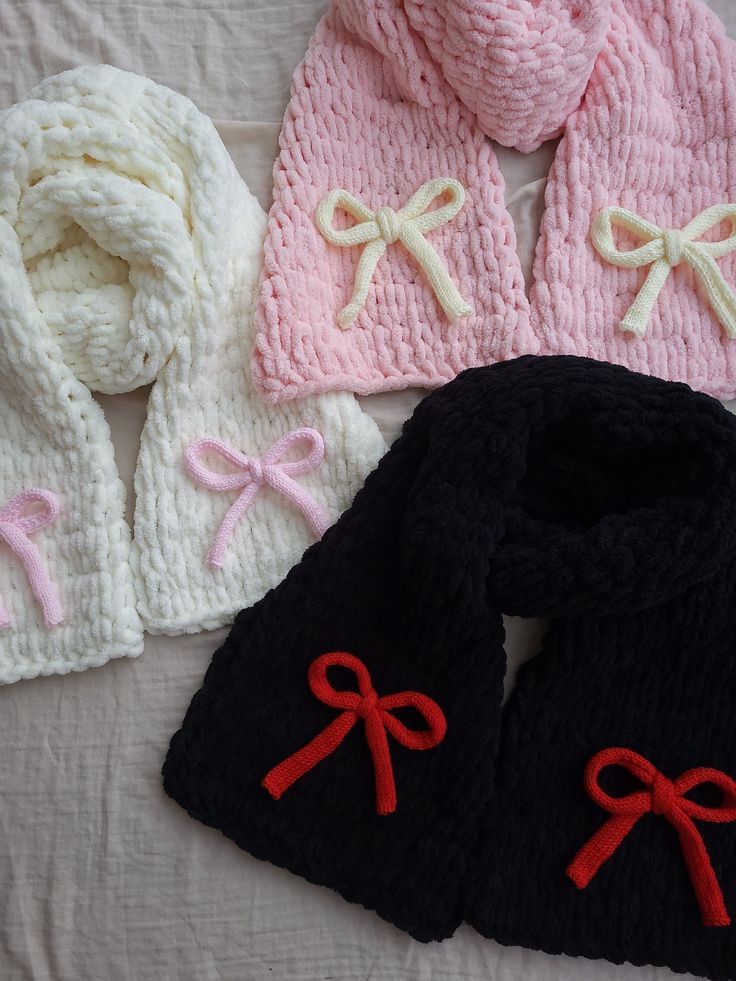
(557,487)
(393,92)
(129,253)
(371,123)
(644,95)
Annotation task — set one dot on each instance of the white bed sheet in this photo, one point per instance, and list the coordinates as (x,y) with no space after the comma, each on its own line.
(102,878)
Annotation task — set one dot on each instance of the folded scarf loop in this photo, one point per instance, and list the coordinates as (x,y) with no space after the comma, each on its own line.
(129,254)
(636,256)
(554,487)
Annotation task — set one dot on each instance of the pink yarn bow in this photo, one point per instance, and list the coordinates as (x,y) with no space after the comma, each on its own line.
(16,524)
(251,474)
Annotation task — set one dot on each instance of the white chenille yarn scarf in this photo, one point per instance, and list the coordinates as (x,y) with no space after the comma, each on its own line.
(129,254)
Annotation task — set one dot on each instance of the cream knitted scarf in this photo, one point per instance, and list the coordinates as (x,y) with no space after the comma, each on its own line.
(129,252)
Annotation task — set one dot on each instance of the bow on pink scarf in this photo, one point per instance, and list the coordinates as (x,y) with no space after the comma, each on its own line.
(16,524)
(254,472)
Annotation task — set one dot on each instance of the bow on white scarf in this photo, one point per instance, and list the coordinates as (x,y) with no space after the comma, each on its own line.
(18,521)
(379,229)
(253,472)
(666,248)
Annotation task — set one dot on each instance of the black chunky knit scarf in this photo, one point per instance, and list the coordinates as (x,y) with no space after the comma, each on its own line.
(350,728)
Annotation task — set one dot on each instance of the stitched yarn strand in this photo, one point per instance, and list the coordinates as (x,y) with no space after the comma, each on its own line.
(254,472)
(16,525)
(665,249)
(376,230)
(377,718)
(665,797)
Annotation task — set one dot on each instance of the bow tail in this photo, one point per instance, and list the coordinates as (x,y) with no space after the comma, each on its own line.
(216,554)
(40,582)
(636,318)
(445,290)
(382,768)
(278,780)
(315,516)
(599,848)
(363,276)
(702,875)
(719,293)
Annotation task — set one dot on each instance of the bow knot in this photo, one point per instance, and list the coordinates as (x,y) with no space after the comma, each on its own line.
(17,522)
(388,225)
(368,704)
(665,249)
(667,798)
(376,230)
(674,246)
(376,714)
(253,472)
(255,466)
(664,798)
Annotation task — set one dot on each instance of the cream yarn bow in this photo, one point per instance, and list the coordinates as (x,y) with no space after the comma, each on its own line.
(379,229)
(666,248)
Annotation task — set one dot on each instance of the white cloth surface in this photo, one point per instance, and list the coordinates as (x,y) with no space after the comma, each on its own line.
(104,878)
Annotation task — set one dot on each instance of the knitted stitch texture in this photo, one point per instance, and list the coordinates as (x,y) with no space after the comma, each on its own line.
(645,93)
(393,92)
(555,487)
(371,114)
(622,532)
(129,254)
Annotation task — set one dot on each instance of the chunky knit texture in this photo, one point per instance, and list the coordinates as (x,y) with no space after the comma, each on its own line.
(554,487)
(655,135)
(129,254)
(371,114)
(395,91)
(645,94)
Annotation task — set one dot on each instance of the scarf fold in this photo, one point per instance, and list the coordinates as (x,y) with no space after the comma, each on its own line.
(129,253)
(555,487)
(390,256)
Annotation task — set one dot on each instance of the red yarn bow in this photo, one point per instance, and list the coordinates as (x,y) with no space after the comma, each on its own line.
(665,797)
(377,718)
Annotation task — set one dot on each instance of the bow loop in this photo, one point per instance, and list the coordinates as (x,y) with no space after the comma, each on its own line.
(375,712)
(414,738)
(251,473)
(321,688)
(19,520)
(213,479)
(705,222)
(366,229)
(698,777)
(664,249)
(376,230)
(666,798)
(295,468)
(416,208)
(636,765)
(19,510)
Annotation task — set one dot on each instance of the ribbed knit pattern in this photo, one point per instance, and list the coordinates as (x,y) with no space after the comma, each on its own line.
(662,682)
(129,254)
(371,113)
(554,487)
(393,92)
(645,93)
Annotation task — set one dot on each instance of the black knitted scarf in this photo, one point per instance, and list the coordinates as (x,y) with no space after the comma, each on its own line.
(555,487)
